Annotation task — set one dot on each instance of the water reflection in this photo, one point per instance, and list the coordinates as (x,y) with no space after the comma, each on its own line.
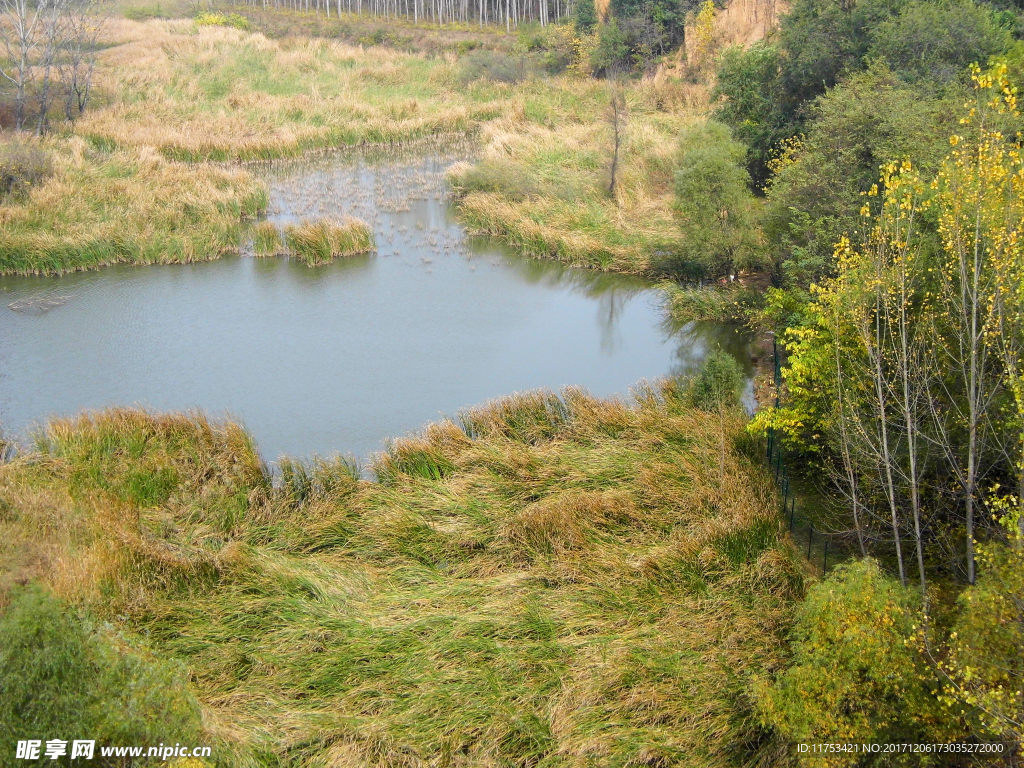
(339,357)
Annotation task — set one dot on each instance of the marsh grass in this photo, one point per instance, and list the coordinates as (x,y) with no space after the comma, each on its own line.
(172,97)
(130,205)
(548,580)
(218,93)
(543,188)
(266,239)
(321,241)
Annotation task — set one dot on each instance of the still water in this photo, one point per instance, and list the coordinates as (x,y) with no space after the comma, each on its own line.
(336,358)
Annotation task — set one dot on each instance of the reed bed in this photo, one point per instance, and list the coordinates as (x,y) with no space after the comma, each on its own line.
(321,241)
(134,174)
(550,579)
(217,93)
(313,242)
(546,190)
(127,206)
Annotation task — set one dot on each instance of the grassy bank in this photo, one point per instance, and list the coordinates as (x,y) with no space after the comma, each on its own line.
(95,207)
(544,185)
(548,581)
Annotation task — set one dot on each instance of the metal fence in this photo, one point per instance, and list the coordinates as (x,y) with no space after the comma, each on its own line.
(800,525)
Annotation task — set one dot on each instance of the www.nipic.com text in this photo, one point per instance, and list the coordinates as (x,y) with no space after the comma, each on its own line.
(85,749)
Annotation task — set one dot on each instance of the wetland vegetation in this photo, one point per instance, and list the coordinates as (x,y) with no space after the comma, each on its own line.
(551,578)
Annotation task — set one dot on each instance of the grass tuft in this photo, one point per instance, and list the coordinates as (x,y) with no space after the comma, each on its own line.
(321,241)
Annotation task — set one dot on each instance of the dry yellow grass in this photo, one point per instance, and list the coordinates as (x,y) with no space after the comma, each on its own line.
(174,92)
(546,189)
(222,93)
(128,205)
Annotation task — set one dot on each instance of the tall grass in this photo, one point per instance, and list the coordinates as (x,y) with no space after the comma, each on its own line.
(313,242)
(548,580)
(544,188)
(99,208)
(173,96)
(318,242)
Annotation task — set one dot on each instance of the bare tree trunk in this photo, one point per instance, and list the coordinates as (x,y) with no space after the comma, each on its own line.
(965,296)
(53,32)
(844,442)
(617,120)
(19,28)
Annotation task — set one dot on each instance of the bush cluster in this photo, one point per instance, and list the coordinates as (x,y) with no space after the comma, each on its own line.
(61,678)
(210,19)
(23,164)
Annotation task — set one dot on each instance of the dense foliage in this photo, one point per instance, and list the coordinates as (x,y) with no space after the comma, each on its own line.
(770,88)
(60,678)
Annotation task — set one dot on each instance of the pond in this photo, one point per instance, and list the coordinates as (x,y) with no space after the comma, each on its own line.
(337,358)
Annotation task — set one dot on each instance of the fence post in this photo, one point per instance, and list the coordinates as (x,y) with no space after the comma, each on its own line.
(792,512)
(824,565)
(810,538)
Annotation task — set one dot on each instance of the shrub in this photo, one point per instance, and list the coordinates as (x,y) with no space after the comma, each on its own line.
(61,679)
(23,164)
(713,200)
(585,16)
(222,20)
(936,42)
(855,674)
(983,663)
(719,384)
(551,48)
(611,56)
(144,13)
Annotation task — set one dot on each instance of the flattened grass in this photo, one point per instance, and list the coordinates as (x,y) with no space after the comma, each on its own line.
(554,580)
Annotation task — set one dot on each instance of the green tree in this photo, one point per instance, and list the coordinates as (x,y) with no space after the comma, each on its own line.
(611,56)
(769,89)
(714,204)
(817,192)
(751,100)
(585,16)
(935,42)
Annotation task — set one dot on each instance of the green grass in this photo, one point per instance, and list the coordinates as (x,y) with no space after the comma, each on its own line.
(548,581)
